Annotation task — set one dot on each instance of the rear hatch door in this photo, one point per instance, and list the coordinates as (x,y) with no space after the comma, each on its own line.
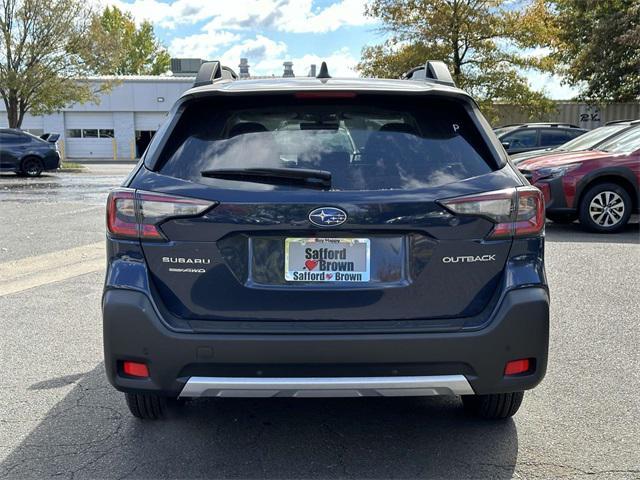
(375,244)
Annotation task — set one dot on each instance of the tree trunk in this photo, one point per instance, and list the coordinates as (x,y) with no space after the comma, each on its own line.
(22,109)
(455,43)
(13,114)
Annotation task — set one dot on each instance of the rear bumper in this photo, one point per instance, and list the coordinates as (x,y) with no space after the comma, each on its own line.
(52,161)
(287,364)
(327,386)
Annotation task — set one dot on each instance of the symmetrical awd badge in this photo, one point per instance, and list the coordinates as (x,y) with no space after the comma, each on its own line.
(327,216)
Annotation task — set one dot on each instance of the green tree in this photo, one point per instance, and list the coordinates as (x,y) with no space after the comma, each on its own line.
(599,47)
(45,48)
(130,50)
(482,41)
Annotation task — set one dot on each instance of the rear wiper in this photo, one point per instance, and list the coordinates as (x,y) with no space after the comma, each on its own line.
(285,176)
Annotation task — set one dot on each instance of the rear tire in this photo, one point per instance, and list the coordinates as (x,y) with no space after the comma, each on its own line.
(495,406)
(32,167)
(605,208)
(146,406)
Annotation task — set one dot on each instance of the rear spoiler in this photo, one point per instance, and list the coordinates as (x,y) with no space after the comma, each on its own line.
(432,71)
(50,137)
(213,71)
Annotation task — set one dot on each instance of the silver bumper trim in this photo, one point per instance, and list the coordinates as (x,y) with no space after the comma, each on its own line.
(327,387)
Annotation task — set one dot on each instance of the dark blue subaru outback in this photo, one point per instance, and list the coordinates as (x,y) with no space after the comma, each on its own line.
(321,237)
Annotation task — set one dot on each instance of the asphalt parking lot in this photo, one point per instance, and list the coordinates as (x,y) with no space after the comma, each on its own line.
(60,418)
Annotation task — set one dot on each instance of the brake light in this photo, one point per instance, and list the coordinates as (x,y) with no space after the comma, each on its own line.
(137,214)
(121,214)
(517,212)
(530,212)
(309,95)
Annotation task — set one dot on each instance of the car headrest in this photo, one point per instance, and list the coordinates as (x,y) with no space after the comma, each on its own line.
(246,127)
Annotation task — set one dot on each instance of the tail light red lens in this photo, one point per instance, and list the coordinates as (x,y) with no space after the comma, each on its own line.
(135,369)
(517,212)
(121,214)
(136,214)
(518,367)
(322,95)
(530,212)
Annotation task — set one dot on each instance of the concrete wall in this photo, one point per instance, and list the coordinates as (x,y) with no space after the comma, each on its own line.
(138,94)
(580,114)
(125,134)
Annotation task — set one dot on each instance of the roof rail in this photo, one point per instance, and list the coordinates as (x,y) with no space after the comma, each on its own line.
(213,71)
(433,71)
(630,121)
(539,124)
(550,124)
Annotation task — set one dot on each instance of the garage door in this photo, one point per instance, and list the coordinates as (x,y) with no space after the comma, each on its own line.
(149,121)
(88,135)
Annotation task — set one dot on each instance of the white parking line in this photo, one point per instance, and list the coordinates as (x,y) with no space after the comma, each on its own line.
(76,212)
(30,272)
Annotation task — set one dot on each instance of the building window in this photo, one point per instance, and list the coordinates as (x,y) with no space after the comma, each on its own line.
(89,133)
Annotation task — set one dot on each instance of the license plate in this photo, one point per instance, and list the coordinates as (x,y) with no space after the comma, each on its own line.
(326,259)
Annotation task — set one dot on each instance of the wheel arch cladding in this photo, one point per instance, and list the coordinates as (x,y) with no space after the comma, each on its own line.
(620,176)
(30,156)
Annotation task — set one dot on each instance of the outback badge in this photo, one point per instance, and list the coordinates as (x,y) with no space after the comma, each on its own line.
(327,216)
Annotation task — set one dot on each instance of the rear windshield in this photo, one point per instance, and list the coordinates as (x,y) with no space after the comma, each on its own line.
(366,143)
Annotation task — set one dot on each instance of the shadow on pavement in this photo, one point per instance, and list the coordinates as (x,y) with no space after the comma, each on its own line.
(574,232)
(90,434)
(57,382)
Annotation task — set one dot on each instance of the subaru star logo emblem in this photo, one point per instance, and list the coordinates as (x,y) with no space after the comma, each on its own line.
(327,217)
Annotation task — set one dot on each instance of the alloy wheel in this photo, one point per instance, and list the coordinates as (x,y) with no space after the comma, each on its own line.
(32,168)
(606,209)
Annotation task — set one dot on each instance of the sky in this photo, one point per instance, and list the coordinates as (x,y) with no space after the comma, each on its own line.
(269,32)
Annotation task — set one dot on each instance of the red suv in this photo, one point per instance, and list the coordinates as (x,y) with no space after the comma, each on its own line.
(598,187)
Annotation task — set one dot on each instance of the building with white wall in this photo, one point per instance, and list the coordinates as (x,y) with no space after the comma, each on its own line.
(119,126)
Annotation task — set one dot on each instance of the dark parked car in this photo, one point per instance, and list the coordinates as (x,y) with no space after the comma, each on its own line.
(534,136)
(26,154)
(586,141)
(599,187)
(320,237)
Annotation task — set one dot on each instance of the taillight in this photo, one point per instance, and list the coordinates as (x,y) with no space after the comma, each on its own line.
(529,213)
(517,212)
(137,214)
(323,95)
(121,214)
